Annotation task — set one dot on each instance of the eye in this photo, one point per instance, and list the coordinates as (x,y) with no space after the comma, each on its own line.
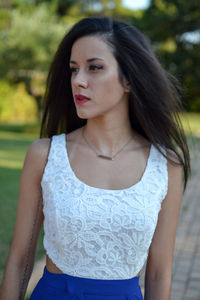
(73,70)
(95,67)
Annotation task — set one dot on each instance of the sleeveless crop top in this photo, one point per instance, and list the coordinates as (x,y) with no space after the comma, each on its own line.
(97,233)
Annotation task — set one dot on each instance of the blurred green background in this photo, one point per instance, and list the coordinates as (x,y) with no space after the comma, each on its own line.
(30,31)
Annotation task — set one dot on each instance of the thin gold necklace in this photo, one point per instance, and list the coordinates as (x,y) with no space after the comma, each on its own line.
(102,155)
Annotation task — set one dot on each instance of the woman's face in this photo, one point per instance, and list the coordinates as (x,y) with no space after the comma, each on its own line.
(95,82)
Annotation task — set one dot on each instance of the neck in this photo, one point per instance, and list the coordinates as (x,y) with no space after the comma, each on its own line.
(107,135)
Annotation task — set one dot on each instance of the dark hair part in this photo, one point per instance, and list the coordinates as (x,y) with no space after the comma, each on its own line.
(154,99)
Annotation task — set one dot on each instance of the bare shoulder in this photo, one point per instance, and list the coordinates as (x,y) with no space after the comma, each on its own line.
(174,163)
(175,173)
(36,156)
(39,148)
(173,156)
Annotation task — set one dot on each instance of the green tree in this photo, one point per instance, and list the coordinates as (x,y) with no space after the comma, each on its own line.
(81,8)
(61,6)
(174,28)
(27,45)
(16,105)
(32,30)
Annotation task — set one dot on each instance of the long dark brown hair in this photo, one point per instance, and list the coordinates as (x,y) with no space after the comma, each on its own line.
(154,101)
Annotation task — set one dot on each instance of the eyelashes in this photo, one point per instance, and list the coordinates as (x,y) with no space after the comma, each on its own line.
(95,67)
(91,68)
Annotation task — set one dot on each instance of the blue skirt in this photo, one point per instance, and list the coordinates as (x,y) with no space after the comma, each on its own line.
(65,287)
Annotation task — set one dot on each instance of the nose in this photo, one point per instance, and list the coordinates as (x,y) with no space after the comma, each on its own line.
(80,80)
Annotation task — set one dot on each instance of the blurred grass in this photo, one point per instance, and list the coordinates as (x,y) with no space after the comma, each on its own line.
(32,128)
(14,141)
(191,123)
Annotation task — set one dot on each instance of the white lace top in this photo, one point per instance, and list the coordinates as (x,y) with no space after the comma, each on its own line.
(97,233)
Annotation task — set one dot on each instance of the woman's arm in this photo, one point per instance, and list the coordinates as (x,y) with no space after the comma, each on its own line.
(28,223)
(159,263)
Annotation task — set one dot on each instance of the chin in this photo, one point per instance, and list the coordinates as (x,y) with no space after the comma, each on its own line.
(88,114)
(82,115)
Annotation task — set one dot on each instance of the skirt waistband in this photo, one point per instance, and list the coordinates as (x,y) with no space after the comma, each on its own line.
(79,288)
(60,280)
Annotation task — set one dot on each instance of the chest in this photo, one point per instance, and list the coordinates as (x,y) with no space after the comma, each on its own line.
(118,174)
(65,189)
(79,209)
(84,204)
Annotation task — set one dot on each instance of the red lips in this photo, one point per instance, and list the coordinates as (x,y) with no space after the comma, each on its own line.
(81,99)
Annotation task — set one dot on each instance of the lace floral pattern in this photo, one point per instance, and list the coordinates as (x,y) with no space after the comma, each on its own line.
(97,233)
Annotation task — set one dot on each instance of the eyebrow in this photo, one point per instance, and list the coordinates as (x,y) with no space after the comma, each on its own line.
(88,60)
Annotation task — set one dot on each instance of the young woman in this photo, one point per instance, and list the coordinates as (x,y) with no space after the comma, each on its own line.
(111,155)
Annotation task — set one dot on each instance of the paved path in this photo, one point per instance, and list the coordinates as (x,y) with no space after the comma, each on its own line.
(186,264)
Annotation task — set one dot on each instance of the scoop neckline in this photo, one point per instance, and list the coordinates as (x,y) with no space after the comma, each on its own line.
(67,162)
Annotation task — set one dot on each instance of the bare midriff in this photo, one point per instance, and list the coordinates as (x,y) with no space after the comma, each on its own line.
(51,267)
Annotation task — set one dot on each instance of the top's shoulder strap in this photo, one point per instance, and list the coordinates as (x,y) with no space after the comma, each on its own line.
(49,152)
(56,147)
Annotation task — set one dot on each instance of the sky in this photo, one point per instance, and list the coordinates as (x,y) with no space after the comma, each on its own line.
(136,4)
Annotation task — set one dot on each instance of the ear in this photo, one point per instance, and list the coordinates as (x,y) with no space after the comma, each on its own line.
(127,86)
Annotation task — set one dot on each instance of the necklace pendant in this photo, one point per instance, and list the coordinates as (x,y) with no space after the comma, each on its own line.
(105,157)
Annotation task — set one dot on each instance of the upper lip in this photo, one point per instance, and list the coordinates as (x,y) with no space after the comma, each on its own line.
(80,96)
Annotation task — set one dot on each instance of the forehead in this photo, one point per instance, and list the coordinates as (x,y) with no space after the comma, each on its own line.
(90,46)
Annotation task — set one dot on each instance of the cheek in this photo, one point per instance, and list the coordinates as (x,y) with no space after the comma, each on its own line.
(108,85)
(113,88)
